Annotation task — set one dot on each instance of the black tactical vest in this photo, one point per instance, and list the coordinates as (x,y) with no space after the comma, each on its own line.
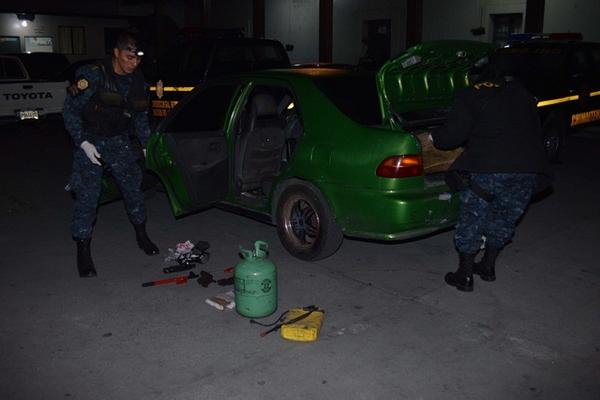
(108,112)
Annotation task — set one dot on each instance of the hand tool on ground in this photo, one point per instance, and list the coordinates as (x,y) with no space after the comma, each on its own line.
(198,253)
(179,268)
(205,279)
(178,280)
(309,310)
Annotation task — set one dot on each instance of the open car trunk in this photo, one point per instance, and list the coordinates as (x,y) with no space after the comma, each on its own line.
(427,76)
(434,160)
(417,88)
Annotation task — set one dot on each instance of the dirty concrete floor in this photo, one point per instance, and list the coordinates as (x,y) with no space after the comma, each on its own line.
(393,329)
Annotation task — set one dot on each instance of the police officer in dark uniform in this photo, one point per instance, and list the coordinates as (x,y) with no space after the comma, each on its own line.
(107,101)
(496,121)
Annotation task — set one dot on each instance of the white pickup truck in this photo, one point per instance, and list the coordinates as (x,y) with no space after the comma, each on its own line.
(31,85)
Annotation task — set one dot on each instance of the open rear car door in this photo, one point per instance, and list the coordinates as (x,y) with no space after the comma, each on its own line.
(189,152)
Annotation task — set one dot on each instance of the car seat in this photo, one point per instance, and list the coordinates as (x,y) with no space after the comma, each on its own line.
(260,143)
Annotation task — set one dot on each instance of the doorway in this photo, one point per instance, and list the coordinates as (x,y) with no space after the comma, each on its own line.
(377,39)
(503,25)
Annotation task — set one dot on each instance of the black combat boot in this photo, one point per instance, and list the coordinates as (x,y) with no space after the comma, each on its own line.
(486,268)
(462,279)
(143,240)
(85,265)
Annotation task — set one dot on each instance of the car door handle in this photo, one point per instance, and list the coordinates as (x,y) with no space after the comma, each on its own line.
(27,86)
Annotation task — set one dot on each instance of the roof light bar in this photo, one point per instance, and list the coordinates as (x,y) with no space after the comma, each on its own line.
(521,37)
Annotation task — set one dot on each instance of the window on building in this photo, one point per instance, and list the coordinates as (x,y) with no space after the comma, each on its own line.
(71,40)
(503,25)
(39,44)
(10,44)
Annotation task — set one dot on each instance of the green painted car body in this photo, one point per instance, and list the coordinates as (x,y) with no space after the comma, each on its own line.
(328,186)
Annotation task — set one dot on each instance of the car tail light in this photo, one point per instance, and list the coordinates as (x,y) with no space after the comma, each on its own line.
(401,166)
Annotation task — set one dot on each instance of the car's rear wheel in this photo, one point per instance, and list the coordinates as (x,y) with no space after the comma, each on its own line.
(305,224)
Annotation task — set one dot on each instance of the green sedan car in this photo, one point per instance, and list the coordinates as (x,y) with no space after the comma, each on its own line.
(319,153)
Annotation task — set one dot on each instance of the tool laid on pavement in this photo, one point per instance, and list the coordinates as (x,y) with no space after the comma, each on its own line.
(302,326)
(186,255)
(198,254)
(297,324)
(178,280)
(206,278)
(223,301)
(179,268)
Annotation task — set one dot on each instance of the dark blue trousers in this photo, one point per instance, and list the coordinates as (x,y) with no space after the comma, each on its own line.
(496,219)
(86,183)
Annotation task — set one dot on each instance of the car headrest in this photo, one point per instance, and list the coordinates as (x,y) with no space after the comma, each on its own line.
(264,104)
(284,103)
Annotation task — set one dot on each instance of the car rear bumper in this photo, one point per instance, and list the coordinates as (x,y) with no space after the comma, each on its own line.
(394,215)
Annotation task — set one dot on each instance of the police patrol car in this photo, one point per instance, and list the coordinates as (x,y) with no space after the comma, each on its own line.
(563,73)
(31,86)
(198,60)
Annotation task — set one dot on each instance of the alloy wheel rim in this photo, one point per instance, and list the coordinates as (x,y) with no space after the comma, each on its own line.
(302,223)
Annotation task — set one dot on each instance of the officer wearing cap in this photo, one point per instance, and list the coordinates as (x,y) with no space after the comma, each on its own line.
(497,123)
(107,102)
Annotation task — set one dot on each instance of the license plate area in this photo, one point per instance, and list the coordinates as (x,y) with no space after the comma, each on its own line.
(28,114)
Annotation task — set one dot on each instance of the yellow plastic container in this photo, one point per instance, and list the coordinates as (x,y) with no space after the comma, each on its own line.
(305,330)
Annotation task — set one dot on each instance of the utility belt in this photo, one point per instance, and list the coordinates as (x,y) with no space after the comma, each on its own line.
(458,181)
(103,135)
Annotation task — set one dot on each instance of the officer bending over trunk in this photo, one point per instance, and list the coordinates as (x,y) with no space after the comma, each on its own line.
(105,103)
(496,121)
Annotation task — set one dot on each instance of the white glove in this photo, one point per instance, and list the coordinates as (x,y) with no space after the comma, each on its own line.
(430,138)
(91,152)
(144,150)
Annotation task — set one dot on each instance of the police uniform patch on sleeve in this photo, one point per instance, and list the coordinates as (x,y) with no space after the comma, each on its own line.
(82,84)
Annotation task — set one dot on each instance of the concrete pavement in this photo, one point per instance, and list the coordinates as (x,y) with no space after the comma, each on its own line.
(393,329)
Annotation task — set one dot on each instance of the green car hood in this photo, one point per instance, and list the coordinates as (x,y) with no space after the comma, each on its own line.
(427,75)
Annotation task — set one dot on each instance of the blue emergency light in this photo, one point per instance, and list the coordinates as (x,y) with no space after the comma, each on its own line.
(523,37)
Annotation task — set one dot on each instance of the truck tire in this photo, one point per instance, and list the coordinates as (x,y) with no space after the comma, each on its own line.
(305,224)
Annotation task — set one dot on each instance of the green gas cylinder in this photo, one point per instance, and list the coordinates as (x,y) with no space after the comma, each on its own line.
(255,283)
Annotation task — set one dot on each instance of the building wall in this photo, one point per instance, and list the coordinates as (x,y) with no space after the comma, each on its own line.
(294,22)
(454,19)
(231,14)
(573,16)
(348,19)
(47,25)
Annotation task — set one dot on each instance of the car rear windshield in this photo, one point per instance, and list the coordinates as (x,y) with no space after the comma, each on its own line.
(354,95)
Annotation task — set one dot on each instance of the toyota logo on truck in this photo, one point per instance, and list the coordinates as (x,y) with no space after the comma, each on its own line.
(30,96)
